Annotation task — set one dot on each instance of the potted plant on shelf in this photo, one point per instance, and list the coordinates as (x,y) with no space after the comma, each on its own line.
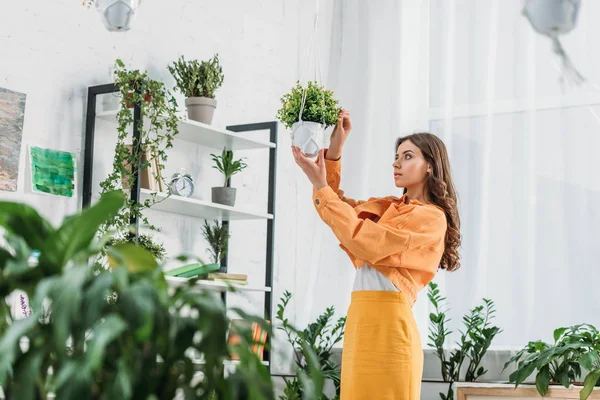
(198,81)
(308,111)
(217,236)
(157,132)
(475,340)
(134,325)
(228,167)
(575,348)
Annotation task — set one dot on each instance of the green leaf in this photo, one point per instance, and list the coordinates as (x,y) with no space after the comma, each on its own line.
(542,380)
(9,343)
(558,333)
(522,373)
(103,334)
(588,385)
(589,360)
(77,232)
(121,386)
(563,377)
(22,220)
(132,257)
(27,370)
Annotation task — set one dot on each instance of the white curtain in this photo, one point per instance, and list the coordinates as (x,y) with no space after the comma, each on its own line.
(523,148)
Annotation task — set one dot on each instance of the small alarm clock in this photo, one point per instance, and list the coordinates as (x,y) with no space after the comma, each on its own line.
(182,184)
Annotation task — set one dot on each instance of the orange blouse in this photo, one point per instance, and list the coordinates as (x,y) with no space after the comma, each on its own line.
(404,242)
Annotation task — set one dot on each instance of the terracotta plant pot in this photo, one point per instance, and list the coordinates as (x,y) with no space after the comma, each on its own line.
(129,100)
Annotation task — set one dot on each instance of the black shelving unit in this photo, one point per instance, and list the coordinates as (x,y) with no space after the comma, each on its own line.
(271,126)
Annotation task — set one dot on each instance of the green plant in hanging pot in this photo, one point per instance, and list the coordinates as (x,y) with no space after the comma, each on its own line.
(228,167)
(198,81)
(576,348)
(308,111)
(157,130)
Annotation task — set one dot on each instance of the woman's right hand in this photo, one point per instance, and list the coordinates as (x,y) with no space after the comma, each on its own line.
(339,135)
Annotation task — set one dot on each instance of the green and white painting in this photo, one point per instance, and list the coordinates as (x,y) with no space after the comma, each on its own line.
(52,171)
(12,113)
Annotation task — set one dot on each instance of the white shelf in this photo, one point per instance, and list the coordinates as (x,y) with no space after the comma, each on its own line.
(215,286)
(207,135)
(199,208)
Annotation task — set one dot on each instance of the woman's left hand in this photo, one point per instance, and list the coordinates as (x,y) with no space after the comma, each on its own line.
(316,172)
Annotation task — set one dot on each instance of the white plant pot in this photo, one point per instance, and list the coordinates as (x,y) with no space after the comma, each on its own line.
(117,14)
(308,137)
(552,17)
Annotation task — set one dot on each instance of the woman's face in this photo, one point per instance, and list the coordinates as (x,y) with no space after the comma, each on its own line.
(410,167)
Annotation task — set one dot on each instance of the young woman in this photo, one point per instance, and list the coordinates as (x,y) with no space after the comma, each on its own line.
(397,245)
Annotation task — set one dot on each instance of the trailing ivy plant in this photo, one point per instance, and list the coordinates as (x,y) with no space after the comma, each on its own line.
(475,339)
(157,132)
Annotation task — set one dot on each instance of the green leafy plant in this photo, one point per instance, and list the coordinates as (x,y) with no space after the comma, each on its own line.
(320,105)
(144,241)
(318,337)
(195,79)
(145,343)
(159,129)
(575,348)
(475,340)
(217,236)
(226,165)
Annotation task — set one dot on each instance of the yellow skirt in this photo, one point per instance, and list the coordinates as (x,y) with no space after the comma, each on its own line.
(382,358)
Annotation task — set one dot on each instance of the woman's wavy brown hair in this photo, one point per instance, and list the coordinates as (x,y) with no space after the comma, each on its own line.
(441,192)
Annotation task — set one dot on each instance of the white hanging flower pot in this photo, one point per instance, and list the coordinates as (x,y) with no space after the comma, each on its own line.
(308,137)
(117,14)
(553,18)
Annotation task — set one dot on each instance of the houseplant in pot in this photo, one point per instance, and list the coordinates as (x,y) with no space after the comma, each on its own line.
(575,348)
(474,341)
(139,345)
(308,111)
(320,336)
(198,81)
(228,167)
(217,236)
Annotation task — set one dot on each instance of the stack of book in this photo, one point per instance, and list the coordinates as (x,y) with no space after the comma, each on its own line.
(259,336)
(234,279)
(192,270)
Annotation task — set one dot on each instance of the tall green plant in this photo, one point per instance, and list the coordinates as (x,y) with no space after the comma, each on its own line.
(575,348)
(318,337)
(473,344)
(119,333)
(226,165)
(195,79)
(320,105)
(157,131)
(217,236)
